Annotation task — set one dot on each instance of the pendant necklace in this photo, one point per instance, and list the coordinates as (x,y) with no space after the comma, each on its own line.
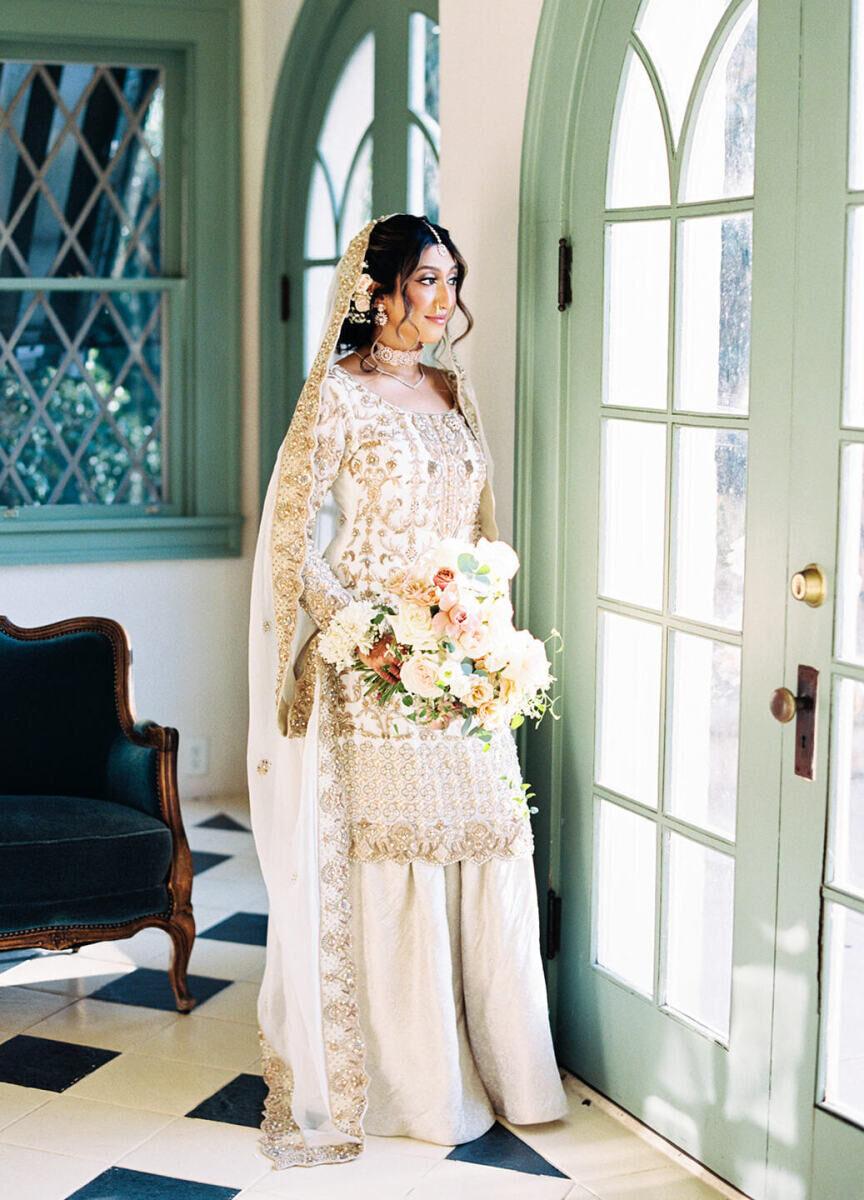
(399,378)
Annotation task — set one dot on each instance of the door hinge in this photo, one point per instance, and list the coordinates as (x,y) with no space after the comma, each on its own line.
(284,297)
(553,923)
(565,264)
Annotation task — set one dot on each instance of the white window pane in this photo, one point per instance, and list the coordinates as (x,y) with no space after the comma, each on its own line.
(358,200)
(709,488)
(856,123)
(845,861)
(676,34)
(349,115)
(714,313)
(633,508)
(718,159)
(423,183)
(316,284)
(628,706)
(700,915)
(850,564)
(423,75)
(853,403)
(320,218)
(638,166)
(704,708)
(637,314)
(626,869)
(843,1044)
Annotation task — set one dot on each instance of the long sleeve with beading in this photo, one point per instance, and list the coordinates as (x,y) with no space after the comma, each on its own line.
(323,592)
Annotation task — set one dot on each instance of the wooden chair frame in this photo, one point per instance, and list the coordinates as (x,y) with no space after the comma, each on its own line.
(178,920)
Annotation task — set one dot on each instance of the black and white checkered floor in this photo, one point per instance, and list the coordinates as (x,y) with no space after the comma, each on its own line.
(107,1093)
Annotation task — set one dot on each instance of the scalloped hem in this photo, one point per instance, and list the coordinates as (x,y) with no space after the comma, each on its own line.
(298,1156)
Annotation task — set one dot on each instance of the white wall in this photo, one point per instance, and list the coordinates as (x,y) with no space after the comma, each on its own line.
(187,620)
(486,49)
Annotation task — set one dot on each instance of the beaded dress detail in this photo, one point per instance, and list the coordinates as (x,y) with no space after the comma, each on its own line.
(403,480)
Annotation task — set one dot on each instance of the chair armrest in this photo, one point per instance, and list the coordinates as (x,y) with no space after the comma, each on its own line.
(131,775)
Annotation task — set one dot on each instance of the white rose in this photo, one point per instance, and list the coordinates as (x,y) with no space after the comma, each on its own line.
(412,625)
(458,682)
(420,676)
(502,559)
(527,663)
(499,617)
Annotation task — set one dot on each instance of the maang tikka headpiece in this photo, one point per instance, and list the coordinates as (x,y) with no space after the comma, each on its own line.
(442,249)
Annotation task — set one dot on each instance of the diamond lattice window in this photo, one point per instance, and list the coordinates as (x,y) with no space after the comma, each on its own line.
(82,312)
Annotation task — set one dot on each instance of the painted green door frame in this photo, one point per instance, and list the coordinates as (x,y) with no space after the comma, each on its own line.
(323,38)
(809,1152)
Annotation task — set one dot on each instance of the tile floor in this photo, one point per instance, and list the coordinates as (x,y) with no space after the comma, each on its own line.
(106,1092)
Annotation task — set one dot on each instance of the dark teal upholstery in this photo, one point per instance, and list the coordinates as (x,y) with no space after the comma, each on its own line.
(61,734)
(103,911)
(67,848)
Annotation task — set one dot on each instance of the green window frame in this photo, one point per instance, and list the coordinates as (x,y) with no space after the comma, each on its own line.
(198,49)
(325,36)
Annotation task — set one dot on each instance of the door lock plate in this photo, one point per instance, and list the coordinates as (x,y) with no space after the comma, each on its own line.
(805,722)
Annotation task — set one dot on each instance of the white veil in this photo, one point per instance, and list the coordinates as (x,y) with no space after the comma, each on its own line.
(312,1044)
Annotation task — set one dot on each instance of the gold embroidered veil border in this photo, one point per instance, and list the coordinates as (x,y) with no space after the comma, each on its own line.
(296,473)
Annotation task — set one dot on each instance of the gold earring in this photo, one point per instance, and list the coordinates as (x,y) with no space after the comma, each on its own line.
(380,315)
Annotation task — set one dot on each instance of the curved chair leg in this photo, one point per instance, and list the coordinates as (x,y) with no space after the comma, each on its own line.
(181,927)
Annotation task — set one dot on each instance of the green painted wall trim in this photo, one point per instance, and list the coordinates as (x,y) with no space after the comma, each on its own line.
(554,92)
(201,42)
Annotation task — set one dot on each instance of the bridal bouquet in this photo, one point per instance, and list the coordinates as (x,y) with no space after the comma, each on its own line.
(457,653)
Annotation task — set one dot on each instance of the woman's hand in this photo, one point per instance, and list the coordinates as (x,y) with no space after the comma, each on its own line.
(382,660)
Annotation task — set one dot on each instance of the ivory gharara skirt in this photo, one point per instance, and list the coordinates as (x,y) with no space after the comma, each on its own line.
(452,998)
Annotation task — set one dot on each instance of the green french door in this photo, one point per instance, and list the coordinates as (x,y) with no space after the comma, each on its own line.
(711,978)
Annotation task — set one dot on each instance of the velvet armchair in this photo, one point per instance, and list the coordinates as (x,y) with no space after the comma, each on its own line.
(92,845)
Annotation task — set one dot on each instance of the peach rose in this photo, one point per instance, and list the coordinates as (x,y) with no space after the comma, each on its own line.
(460,616)
(480,692)
(396,580)
(420,676)
(418,591)
(474,640)
(492,714)
(450,596)
(443,576)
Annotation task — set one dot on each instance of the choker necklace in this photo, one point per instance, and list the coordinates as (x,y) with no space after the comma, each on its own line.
(396,358)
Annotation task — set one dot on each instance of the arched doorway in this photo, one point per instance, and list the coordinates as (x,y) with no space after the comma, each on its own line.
(354,133)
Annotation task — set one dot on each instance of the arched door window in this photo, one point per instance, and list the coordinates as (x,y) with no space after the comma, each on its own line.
(360,139)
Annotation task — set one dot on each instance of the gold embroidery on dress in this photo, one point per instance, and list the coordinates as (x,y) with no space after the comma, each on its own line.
(437,798)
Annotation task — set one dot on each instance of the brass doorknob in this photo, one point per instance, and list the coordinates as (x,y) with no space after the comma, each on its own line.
(784,705)
(810,585)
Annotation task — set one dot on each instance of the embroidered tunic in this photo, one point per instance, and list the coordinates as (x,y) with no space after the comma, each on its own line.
(402,481)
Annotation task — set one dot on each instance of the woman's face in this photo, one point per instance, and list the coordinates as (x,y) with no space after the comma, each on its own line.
(431,293)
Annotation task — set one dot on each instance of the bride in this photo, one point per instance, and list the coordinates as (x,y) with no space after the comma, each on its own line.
(403,992)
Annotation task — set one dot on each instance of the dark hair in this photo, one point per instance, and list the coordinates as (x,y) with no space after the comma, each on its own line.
(395,248)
